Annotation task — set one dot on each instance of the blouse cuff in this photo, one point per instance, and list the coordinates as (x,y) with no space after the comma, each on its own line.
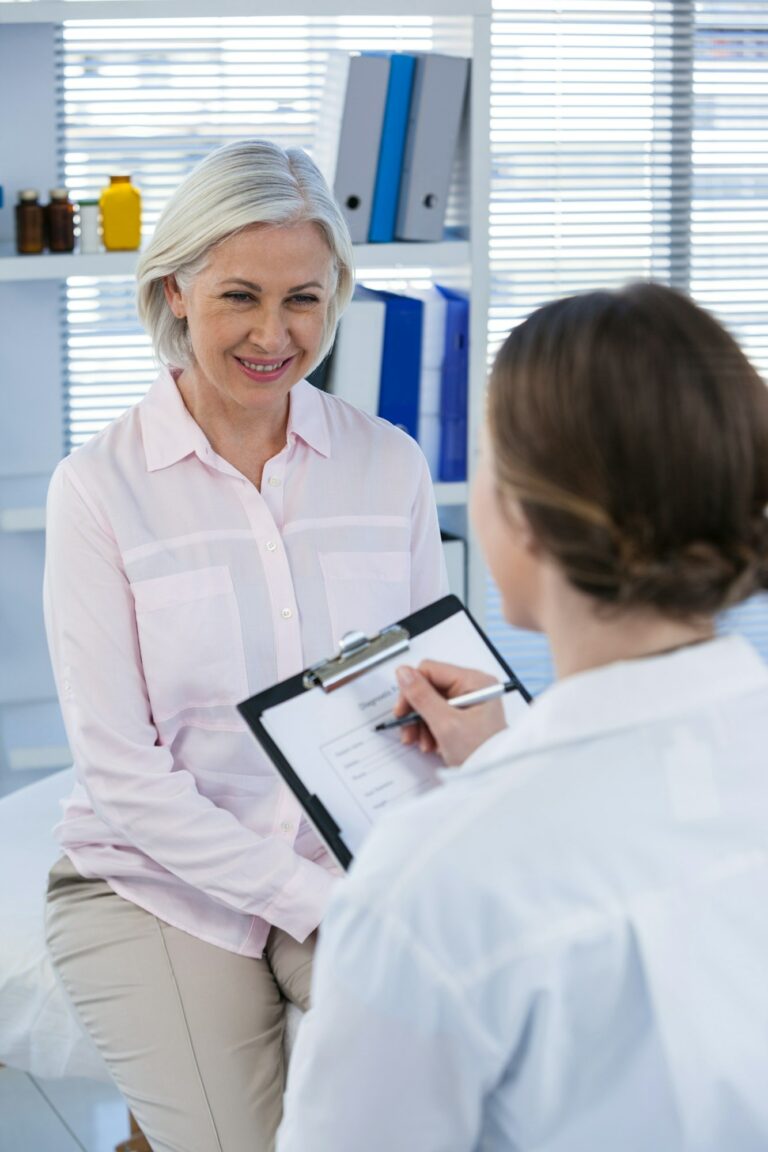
(300,904)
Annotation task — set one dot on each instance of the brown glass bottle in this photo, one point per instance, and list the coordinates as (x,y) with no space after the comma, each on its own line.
(30,223)
(61,221)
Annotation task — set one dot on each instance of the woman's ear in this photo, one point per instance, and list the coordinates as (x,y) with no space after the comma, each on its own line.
(529,539)
(175,297)
(520,526)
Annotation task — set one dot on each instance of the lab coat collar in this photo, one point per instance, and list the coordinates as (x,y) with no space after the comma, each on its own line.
(170,433)
(626,694)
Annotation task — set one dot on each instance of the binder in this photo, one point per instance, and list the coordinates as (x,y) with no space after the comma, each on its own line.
(437,104)
(319,376)
(401,357)
(400,360)
(454,388)
(355,371)
(346,147)
(393,134)
(455,553)
(346,777)
(433,337)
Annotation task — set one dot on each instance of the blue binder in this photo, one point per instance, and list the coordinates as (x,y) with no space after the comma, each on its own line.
(393,134)
(454,388)
(400,359)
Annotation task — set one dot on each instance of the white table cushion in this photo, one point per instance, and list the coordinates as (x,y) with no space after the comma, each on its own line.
(39,1032)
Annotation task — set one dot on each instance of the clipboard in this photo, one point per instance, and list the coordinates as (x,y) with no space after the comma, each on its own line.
(317,727)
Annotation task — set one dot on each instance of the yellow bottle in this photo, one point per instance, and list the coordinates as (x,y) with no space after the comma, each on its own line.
(120,205)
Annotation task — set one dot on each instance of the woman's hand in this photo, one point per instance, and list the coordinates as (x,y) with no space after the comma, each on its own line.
(454,733)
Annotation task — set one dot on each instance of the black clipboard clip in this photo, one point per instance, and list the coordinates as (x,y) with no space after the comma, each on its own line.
(357,653)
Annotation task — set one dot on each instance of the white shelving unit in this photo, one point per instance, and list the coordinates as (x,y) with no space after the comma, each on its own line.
(30,341)
(368,257)
(54,11)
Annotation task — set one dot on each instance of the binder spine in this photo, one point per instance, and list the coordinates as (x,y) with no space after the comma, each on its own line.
(359,141)
(393,135)
(437,103)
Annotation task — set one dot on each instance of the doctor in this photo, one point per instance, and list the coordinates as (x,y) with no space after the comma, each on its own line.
(565,947)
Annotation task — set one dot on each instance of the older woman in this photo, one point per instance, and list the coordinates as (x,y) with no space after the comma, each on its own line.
(220,536)
(564,949)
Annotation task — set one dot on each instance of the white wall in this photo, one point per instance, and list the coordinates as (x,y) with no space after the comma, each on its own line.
(30,410)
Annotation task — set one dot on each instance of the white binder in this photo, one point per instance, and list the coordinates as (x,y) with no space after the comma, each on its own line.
(432,353)
(437,105)
(355,371)
(347,143)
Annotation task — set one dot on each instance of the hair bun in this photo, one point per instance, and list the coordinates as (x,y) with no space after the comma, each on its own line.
(699,577)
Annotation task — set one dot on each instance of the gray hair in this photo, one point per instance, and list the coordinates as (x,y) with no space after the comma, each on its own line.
(243,183)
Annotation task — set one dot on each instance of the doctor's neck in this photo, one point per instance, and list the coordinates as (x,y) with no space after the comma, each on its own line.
(585,634)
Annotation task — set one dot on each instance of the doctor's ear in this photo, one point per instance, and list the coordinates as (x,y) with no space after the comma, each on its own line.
(173,295)
(520,526)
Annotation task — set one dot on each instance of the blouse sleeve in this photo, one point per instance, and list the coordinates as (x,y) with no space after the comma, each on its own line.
(130,777)
(429,580)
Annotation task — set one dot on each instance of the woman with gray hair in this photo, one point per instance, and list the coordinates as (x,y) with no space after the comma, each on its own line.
(218,537)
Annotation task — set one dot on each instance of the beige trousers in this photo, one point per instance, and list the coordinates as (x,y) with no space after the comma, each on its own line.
(192,1034)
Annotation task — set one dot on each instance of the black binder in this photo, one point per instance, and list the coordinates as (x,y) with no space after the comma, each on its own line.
(358,654)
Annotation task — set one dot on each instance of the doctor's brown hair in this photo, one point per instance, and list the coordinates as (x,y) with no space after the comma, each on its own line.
(634,432)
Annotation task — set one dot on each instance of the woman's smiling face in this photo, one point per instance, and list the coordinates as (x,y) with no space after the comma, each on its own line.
(256,313)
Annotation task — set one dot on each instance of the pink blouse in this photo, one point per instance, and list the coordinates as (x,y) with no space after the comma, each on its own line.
(173,590)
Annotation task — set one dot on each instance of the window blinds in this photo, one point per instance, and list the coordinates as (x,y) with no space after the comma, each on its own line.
(629,141)
(151,98)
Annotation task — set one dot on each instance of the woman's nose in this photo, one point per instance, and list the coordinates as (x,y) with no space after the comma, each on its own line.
(269,332)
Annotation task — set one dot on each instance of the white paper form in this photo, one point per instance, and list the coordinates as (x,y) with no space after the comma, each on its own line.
(329,740)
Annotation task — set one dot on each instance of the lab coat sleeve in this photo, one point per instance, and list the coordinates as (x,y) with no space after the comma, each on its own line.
(390,1056)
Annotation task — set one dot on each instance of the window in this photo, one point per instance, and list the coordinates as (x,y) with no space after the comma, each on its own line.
(629,141)
(151,98)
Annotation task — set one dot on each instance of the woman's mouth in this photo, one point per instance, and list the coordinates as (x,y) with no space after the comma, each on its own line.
(264,369)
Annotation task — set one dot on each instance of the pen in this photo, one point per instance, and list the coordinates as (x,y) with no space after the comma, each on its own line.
(480,696)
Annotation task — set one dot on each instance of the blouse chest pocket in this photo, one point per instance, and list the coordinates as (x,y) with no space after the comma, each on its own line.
(191,641)
(366,591)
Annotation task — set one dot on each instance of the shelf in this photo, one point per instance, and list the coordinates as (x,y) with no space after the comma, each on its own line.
(35,759)
(59,265)
(22,520)
(33,519)
(54,11)
(446,494)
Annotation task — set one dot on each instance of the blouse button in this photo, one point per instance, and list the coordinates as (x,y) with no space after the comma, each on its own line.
(274,481)
(271,545)
(286,613)
(286,826)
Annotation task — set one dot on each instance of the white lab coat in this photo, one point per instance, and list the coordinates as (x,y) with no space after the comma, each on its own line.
(566,947)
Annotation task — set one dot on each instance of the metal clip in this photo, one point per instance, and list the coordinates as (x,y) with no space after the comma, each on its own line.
(357,653)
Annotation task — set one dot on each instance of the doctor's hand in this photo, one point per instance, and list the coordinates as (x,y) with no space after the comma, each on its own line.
(454,733)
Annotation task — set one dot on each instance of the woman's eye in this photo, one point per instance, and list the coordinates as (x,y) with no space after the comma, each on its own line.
(238,297)
(304,299)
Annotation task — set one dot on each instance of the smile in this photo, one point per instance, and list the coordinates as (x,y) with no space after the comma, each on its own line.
(261,367)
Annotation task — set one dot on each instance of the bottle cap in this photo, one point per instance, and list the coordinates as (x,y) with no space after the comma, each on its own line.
(59,194)
(119,179)
(28,194)
(88,203)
